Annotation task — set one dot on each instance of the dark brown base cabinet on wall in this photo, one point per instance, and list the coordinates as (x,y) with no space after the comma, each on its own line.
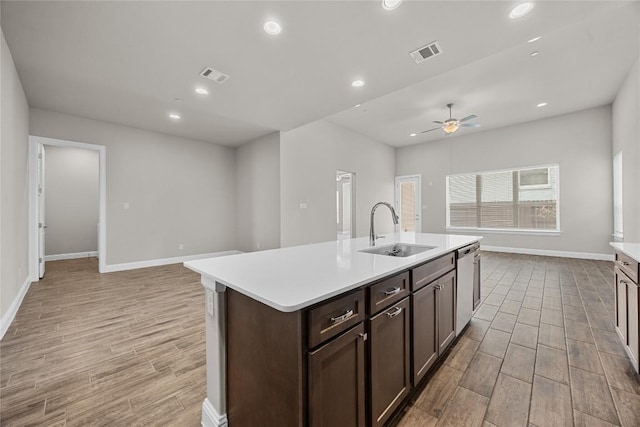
(351,361)
(627,316)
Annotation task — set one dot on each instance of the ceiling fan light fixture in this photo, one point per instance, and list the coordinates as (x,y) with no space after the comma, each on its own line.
(450,126)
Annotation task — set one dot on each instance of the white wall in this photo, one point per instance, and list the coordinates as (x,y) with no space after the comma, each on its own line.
(258,198)
(626,137)
(14,186)
(579,142)
(71,200)
(178,190)
(309,158)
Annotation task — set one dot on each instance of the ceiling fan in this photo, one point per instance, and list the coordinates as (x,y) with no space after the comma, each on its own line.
(451,125)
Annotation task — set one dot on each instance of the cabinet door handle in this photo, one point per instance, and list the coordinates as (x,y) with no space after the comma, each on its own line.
(347,314)
(625,263)
(392,291)
(395,312)
(624,282)
(363,336)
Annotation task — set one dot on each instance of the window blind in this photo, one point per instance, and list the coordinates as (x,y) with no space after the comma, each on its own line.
(515,199)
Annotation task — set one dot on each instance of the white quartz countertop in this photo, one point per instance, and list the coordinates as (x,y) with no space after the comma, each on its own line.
(293,278)
(630,249)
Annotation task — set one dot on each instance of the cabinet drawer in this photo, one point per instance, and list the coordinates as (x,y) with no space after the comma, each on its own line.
(427,273)
(331,318)
(390,290)
(628,265)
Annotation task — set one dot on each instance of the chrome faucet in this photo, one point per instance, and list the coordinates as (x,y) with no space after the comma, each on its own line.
(372,233)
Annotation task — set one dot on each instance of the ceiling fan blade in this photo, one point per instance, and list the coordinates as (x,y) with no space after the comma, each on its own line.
(424,131)
(470,125)
(440,123)
(473,116)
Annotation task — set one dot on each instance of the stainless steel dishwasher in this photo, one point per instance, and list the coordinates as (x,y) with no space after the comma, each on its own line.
(468,272)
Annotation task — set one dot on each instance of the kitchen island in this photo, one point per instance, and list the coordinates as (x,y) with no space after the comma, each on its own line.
(326,334)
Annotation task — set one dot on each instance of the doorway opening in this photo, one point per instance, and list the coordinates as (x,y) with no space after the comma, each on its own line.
(408,202)
(65,211)
(345,204)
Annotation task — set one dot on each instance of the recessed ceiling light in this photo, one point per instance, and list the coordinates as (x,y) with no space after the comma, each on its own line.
(202,91)
(521,10)
(390,4)
(535,39)
(174,116)
(535,53)
(272,27)
(413,134)
(357,83)
(542,104)
(358,105)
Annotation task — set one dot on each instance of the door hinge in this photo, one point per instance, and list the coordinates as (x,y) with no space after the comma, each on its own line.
(40,156)
(40,260)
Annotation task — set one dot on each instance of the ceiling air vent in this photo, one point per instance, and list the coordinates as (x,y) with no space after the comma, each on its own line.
(429,51)
(214,75)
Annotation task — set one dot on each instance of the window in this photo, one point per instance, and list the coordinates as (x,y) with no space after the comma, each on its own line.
(534,178)
(617,196)
(517,199)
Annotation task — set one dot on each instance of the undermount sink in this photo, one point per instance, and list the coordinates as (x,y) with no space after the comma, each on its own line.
(398,249)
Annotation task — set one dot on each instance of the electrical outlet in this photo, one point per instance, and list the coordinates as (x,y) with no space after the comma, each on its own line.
(209,302)
(180,247)
(303,206)
(125,206)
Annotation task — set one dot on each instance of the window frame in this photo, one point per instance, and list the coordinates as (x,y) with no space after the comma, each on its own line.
(523,231)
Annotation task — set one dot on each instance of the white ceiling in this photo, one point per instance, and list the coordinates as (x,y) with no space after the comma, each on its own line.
(127,62)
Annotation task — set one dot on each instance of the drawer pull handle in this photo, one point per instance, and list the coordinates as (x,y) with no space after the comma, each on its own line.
(625,263)
(347,314)
(392,291)
(395,312)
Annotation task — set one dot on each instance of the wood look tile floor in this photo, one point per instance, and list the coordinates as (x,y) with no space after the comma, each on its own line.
(540,351)
(123,349)
(128,349)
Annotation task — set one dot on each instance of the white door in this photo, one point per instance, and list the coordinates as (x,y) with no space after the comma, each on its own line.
(408,204)
(41,222)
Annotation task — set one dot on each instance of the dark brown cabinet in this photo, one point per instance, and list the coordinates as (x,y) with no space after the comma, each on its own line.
(446,308)
(337,381)
(627,315)
(434,327)
(389,333)
(425,337)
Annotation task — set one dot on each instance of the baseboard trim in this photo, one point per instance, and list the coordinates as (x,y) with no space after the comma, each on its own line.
(8,317)
(75,255)
(545,252)
(210,417)
(110,268)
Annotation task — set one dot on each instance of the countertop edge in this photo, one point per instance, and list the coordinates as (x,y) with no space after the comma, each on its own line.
(330,294)
(625,249)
